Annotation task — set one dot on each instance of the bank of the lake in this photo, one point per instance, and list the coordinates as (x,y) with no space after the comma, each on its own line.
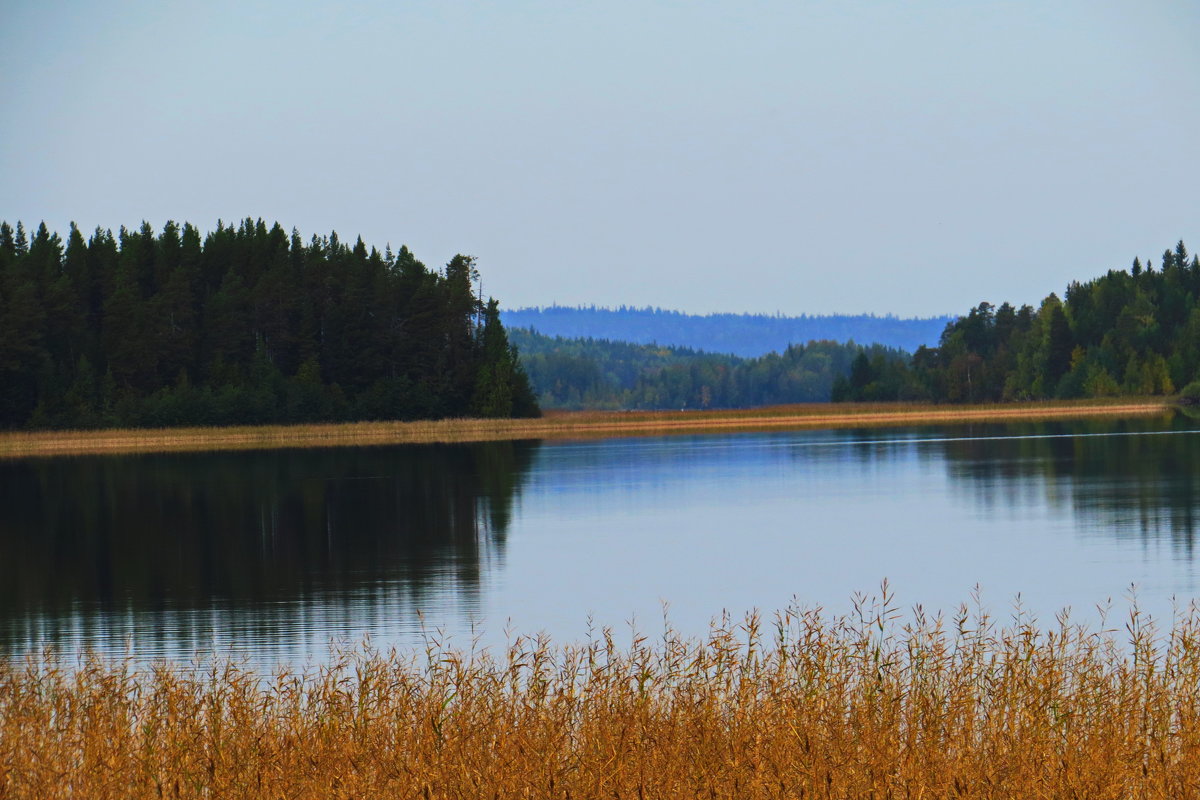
(559,425)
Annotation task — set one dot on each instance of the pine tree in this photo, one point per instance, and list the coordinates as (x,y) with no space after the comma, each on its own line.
(502,387)
(185,328)
(1059,346)
(21,243)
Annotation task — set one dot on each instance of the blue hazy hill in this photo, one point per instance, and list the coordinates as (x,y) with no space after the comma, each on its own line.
(746,335)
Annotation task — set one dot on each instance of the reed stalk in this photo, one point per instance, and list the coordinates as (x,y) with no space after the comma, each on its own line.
(560,425)
(872,704)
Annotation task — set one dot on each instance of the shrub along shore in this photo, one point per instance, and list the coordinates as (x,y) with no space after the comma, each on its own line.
(876,703)
(564,425)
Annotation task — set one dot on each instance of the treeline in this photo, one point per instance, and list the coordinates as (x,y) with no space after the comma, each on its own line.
(599,374)
(745,335)
(246,325)
(1129,332)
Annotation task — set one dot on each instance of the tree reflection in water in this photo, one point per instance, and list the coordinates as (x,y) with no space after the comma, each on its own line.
(1120,478)
(287,533)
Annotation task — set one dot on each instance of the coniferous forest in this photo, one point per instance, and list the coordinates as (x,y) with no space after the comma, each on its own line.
(744,335)
(252,325)
(575,373)
(1128,332)
(244,325)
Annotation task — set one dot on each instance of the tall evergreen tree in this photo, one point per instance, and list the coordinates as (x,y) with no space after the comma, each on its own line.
(246,324)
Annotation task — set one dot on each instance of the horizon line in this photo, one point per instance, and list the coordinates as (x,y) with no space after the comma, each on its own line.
(767,314)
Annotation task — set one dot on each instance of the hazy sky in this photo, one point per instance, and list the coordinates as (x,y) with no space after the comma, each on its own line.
(840,156)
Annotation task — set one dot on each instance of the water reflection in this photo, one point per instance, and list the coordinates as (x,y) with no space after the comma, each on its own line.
(1119,479)
(179,546)
(275,552)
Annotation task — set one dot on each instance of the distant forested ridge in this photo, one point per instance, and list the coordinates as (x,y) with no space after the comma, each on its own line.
(599,374)
(246,325)
(746,335)
(1129,332)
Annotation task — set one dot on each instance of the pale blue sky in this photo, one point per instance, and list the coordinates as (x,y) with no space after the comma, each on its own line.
(808,157)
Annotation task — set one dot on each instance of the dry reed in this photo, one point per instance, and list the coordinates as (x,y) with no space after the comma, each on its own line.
(560,425)
(867,705)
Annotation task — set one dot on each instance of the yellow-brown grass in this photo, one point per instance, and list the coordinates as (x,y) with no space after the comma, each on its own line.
(865,706)
(561,425)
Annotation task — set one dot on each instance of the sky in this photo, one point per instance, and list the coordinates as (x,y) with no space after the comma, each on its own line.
(839,156)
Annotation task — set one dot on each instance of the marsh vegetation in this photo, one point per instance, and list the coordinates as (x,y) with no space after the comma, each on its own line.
(873,703)
(23,444)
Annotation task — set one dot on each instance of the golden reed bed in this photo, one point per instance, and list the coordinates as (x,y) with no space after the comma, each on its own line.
(869,705)
(560,425)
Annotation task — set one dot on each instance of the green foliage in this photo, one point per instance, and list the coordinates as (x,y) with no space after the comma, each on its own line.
(502,388)
(600,374)
(1127,332)
(1190,394)
(245,325)
(745,335)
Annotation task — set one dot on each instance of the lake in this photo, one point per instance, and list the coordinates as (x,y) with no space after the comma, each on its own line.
(271,555)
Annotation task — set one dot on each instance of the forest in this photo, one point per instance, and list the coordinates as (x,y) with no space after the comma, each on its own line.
(599,374)
(244,325)
(1131,331)
(253,325)
(745,335)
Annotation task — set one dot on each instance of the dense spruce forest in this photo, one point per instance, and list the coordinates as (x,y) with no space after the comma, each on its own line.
(251,325)
(246,324)
(599,374)
(745,335)
(1129,332)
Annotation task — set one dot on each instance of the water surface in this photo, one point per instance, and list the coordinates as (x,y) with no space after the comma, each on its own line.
(273,554)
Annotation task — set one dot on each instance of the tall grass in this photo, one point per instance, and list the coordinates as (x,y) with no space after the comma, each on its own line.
(556,425)
(868,705)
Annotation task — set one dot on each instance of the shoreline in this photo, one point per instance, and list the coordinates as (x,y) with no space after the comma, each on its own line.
(554,425)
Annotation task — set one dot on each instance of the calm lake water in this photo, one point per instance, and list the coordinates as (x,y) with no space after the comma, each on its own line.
(272,555)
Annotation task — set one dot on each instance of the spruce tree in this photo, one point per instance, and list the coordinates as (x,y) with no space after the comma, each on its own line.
(246,324)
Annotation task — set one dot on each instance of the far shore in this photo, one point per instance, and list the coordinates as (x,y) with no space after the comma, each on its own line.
(557,425)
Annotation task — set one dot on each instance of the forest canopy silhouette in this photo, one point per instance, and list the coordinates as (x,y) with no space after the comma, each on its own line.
(252,325)
(1127,332)
(244,325)
(1133,332)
